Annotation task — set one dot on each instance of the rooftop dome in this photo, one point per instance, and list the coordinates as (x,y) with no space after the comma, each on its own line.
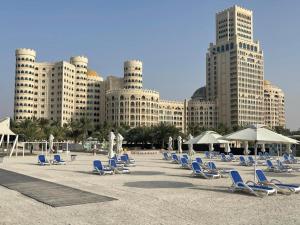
(92,73)
(199,94)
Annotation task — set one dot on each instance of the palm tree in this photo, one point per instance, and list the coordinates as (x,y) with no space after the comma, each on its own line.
(73,130)
(163,131)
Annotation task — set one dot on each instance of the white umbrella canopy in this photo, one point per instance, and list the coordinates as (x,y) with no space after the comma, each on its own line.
(207,137)
(258,133)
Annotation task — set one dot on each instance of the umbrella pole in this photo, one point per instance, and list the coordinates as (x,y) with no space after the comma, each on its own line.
(255,152)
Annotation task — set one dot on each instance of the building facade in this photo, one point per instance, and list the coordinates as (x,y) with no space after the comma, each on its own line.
(235,93)
(58,91)
(274,105)
(235,69)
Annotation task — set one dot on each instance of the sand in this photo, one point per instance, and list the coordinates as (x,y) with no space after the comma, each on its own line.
(156,192)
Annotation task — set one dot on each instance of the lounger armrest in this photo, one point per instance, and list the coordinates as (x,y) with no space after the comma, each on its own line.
(250,189)
(251,182)
(275,181)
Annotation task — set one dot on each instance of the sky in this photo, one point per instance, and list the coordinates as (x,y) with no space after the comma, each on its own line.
(171,37)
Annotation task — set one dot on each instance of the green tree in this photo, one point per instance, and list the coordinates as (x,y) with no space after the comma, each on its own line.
(163,131)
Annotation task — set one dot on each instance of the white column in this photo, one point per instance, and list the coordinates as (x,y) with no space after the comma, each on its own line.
(1,140)
(7,142)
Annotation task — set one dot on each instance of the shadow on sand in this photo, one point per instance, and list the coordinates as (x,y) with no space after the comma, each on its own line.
(145,173)
(158,184)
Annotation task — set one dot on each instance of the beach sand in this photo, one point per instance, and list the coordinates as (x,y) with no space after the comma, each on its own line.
(156,192)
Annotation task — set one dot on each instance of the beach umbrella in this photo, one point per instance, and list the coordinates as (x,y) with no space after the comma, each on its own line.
(111,139)
(259,134)
(179,140)
(119,143)
(170,148)
(263,147)
(289,149)
(227,148)
(211,147)
(207,137)
(246,148)
(190,137)
(51,139)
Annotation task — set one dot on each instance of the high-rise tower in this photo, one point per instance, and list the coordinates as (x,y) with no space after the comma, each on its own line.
(133,74)
(25,85)
(235,69)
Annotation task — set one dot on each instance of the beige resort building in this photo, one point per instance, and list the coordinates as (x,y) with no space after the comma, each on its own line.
(235,93)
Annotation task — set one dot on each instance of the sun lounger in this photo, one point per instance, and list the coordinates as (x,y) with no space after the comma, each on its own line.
(198,171)
(184,163)
(261,156)
(267,155)
(281,166)
(58,161)
(213,168)
(118,169)
(232,157)
(274,168)
(293,159)
(283,188)
(42,161)
(175,159)
(166,156)
(126,161)
(243,162)
(201,163)
(130,159)
(207,155)
(249,187)
(186,156)
(224,158)
(286,159)
(102,170)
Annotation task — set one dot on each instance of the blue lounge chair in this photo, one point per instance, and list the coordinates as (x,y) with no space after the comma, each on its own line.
(207,154)
(130,159)
(213,168)
(118,160)
(186,156)
(198,171)
(57,160)
(274,168)
(42,161)
(293,159)
(175,159)
(261,156)
(249,186)
(243,162)
(166,156)
(201,163)
(251,160)
(286,159)
(267,155)
(118,169)
(184,163)
(283,188)
(232,157)
(126,161)
(283,167)
(224,158)
(102,170)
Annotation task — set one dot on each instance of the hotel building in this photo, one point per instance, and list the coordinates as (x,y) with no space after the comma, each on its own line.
(235,69)
(274,105)
(235,93)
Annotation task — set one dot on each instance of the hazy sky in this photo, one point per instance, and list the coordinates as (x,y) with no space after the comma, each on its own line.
(170,37)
